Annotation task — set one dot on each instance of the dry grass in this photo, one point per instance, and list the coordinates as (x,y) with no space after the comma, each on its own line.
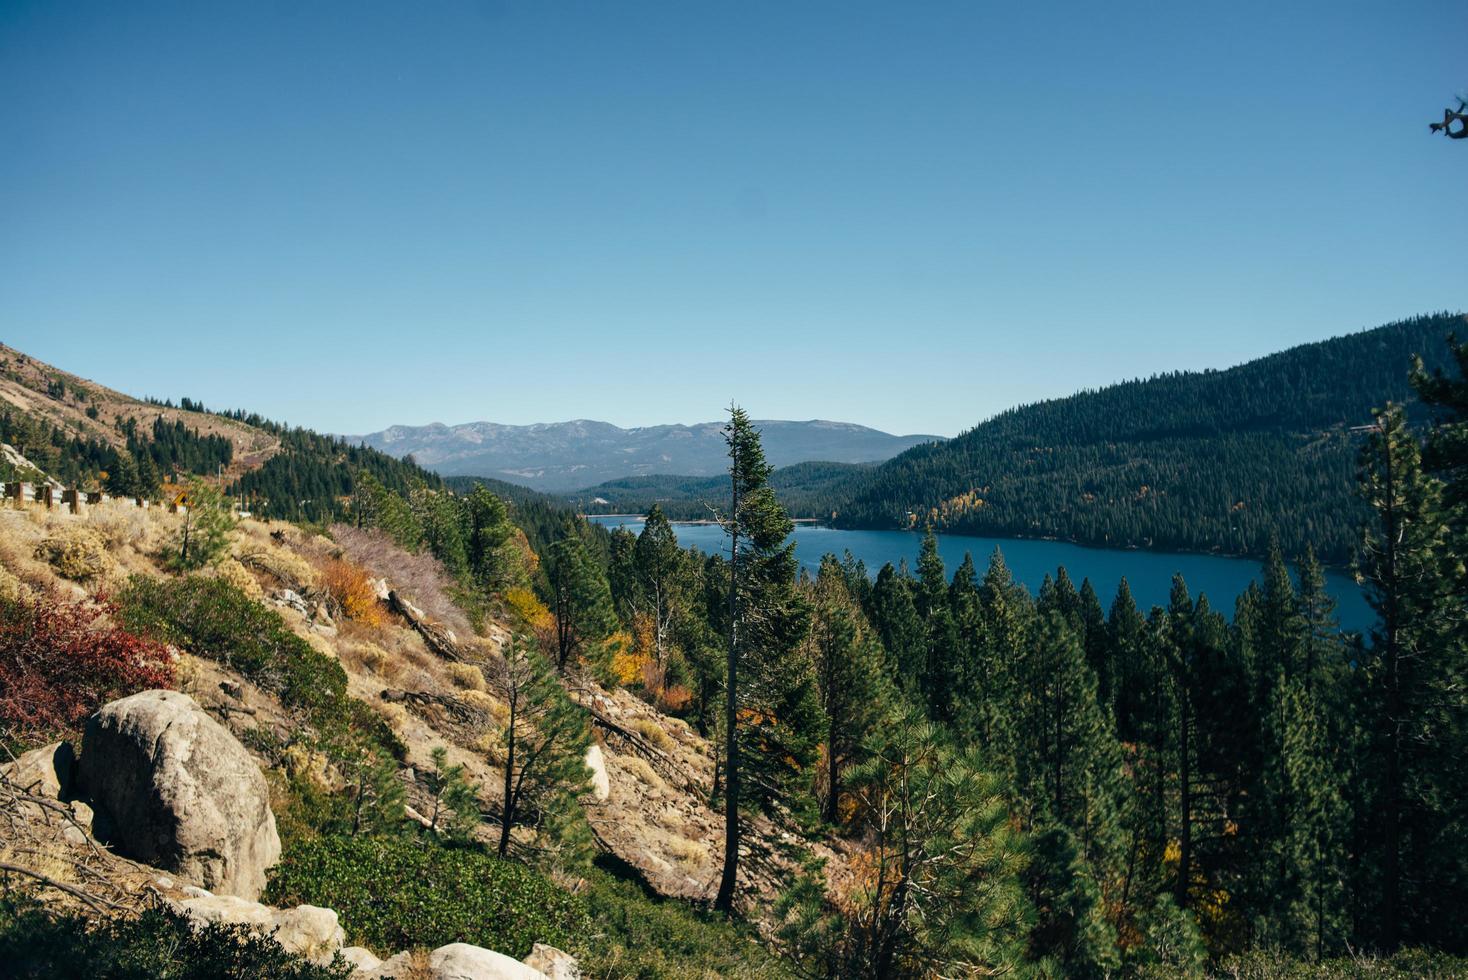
(12,589)
(77,553)
(653,732)
(419,577)
(240,577)
(255,549)
(467,676)
(187,676)
(320,644)
(369,656)
(687,854)
(641,771)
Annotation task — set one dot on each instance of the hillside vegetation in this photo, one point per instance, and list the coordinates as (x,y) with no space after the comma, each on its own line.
(1197,461)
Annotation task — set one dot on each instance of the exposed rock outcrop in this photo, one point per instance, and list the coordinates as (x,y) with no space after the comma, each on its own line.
(460,961)
(554,963)
(171,787)
(601,783)
(47,771)
(306,930)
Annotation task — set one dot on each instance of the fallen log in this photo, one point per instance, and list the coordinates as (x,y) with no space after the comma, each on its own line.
(438,639)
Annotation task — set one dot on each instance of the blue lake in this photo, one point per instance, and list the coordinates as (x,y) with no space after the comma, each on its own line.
(1149,573)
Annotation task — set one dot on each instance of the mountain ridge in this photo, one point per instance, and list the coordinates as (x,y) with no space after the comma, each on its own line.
(570,455)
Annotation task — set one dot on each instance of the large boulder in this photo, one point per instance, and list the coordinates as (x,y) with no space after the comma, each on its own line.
(460,961)
(172,787)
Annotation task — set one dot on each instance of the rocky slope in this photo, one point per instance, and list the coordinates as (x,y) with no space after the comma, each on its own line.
(219,751)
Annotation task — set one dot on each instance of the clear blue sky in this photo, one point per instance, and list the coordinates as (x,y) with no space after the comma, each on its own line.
(906,215)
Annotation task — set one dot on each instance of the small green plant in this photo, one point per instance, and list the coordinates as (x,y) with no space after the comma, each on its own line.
(204,535)
(455,810)
(401,892)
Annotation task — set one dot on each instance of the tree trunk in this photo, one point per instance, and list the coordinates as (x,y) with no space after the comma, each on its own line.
(1185,799)
(1392,895)
(724,902)
(508,809)
(833,767)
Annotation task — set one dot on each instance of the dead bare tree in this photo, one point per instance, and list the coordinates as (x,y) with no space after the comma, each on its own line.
(1460,117)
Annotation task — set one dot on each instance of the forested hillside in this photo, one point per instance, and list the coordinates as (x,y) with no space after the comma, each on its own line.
(1217,460)
(805,490)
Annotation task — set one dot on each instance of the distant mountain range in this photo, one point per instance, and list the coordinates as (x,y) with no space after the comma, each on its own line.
(563,456)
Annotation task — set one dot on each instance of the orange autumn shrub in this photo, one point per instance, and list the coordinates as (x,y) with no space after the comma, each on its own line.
(351,588)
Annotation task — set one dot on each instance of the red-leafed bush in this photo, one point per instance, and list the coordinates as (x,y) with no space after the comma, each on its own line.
(61,660)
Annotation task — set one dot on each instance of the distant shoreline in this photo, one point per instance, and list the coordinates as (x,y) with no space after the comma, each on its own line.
(703,520)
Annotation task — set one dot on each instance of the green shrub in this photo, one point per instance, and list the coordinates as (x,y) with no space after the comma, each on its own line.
(156,944)
(211,618)
(395,893)
(643,937)
(1407,964)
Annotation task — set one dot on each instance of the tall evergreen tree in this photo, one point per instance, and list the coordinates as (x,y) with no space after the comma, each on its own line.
(659,563)
(771,713)
(1415,675)
(895,616)
(580,598)
(1126,630)
(849,676)
(545,737)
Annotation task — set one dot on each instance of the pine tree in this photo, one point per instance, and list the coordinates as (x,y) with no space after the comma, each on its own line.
(1304,908)
(545,737)
(659,563)
(1071,934)
(894,614)
(1126,630)
(938,889)
(580,598)
(1006,622)
(203,535)
(848,664)
(1096,641)
(437,513)
(622,574)
(771,713)
(122,476)
(453,811)
(1414,685)
(488,533)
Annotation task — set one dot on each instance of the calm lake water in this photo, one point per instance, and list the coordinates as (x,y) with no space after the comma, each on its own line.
(1149,573)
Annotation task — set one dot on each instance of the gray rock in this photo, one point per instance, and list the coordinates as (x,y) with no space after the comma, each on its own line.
(172,787)
(47,771)
(601,783)
(392,968)
(554,963)
(360,958)
(306,930)
(460,961)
